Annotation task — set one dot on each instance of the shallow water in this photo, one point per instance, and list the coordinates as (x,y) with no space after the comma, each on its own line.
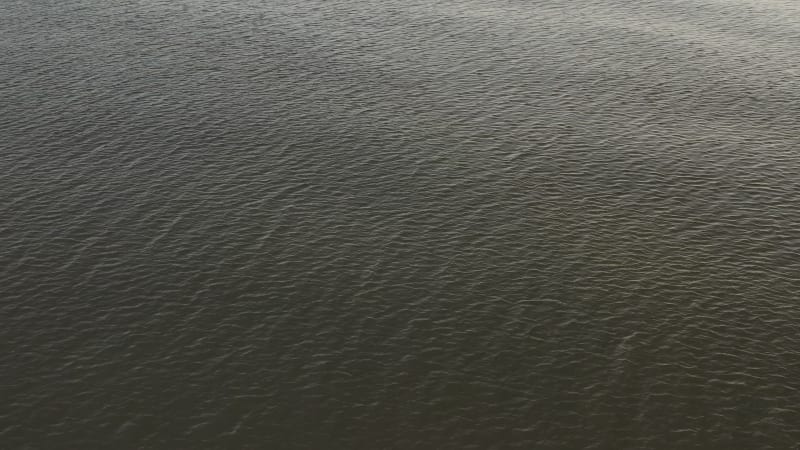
(399,224)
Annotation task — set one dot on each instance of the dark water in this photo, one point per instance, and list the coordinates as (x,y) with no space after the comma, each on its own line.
(380,224)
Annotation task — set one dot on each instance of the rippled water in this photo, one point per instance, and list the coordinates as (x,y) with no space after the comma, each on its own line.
(366,224)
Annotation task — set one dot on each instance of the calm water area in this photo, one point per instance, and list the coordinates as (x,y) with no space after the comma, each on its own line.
(399,224)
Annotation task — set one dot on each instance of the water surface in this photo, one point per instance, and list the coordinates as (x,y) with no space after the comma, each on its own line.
(374,224)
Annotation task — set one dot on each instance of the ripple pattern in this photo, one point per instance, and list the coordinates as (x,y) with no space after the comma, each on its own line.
(374,224)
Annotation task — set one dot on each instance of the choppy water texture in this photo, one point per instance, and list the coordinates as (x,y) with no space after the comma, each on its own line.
(400,224)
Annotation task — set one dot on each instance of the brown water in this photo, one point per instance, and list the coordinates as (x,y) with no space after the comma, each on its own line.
(377,224)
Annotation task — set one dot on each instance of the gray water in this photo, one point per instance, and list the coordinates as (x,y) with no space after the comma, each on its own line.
(399,224)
